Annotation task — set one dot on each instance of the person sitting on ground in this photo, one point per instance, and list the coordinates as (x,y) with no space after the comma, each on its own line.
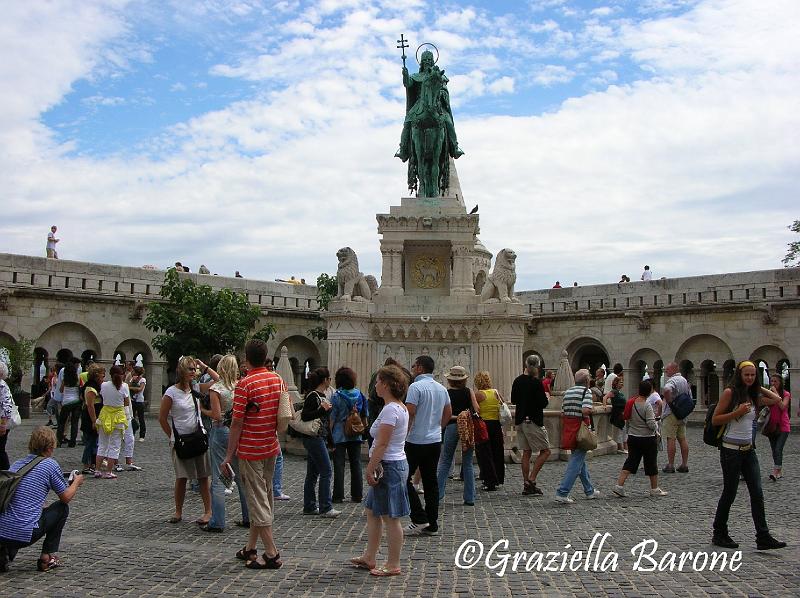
(24,521)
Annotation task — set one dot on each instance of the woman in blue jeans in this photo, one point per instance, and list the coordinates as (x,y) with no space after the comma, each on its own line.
(737,408)
(461,399)
(347,399)
(221,396)
(318,463)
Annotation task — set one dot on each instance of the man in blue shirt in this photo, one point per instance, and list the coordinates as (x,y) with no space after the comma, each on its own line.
(429,411)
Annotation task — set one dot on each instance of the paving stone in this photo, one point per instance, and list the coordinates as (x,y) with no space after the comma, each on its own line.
(117,541)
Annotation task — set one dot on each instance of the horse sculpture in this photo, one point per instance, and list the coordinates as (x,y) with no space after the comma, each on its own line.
(429,137)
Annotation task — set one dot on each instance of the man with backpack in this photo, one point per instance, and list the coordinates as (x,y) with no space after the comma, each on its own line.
(674,428)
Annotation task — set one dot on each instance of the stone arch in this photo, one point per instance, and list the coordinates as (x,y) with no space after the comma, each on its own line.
(700,358)
(66,339)
(128,349)
(302,352)
(782,368)
(587,352)
(643,362)
(728,368)
(6,340)
(768,353)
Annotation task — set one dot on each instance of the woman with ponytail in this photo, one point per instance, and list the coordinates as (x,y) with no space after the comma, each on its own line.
(737,408)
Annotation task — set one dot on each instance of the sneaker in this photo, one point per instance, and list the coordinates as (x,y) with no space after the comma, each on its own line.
(593,495)
(314,512)
(88,471)
(536,491)
(108,476)
(725,541)
(141,440)
(769,543)
(132,467)
(622,452)
(118,467)
(669,469)
(469,504)
(683,469)
(283,496)
(427,531)
(564,499)
(332,514)
(658,492)
(619,490)
(414,529)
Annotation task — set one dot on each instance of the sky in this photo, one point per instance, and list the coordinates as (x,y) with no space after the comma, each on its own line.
(259,136)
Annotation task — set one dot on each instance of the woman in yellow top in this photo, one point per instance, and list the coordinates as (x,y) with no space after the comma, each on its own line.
(492,463)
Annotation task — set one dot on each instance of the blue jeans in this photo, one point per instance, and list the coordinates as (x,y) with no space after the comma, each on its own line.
(450,444)
(733,463)
(777,442)
(218,447)
(89,448)
(576,466)
(318,466)
(277,477)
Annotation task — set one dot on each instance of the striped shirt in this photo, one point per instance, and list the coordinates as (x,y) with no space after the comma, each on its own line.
(259,438)
(21,517)
(575,399)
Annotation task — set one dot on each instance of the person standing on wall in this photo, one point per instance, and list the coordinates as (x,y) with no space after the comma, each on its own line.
(51,243)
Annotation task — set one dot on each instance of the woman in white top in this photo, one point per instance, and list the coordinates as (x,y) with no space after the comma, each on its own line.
(221,397)
(70,404)
(387,475)
(113,421)
(180,409)
(736,410)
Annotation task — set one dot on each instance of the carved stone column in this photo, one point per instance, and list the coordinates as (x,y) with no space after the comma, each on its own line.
(462,270)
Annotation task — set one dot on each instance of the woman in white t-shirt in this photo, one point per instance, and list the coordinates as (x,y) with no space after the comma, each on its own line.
(387,475)
(112,422)
(179,409)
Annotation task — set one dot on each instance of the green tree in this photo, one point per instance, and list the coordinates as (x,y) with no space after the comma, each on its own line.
(793,253)
(18,358)
(327,289)
(194,319)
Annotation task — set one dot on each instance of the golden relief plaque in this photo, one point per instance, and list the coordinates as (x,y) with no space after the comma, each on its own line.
(427,271)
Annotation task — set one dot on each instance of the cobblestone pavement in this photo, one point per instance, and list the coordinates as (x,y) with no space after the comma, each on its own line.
(117,541)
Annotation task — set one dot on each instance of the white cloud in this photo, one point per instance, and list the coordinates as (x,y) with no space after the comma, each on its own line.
(551,74)
(301,166)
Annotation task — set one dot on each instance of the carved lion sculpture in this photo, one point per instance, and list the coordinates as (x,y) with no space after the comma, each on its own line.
(499,286)
(353,285)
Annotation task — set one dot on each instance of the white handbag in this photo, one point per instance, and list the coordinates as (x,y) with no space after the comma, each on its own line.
(506,419)
(15,419)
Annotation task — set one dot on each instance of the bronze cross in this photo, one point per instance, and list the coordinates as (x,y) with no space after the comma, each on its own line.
(403,44)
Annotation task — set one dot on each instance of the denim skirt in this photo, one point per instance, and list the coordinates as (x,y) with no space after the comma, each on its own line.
(390,496)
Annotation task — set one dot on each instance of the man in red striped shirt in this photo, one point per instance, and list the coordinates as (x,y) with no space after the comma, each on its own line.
(254,439)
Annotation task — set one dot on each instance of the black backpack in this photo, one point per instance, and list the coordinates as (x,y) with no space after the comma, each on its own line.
(712,435)
(9,480)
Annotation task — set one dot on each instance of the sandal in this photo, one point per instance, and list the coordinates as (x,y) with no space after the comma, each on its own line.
(200,521)
(384,571)
(109,476)
(247,555)
(46,565)
(269,562)
(174,519)
(360,563)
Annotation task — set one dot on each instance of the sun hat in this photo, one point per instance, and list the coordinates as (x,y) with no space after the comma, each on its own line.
(457,373)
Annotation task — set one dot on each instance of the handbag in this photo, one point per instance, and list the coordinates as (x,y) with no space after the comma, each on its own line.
(285,410)
(480,431)
(309,428)
(15,418)
(770,426)
(586,439)
(194,444)
(506,419)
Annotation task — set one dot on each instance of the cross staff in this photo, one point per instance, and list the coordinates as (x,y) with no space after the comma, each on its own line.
(403,44)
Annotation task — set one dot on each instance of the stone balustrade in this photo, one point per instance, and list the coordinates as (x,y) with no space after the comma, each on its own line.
(26,273)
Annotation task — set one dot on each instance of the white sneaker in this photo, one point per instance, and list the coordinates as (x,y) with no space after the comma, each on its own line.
(618,490)
(118,467)
(132,467)
(332,514)
(141,440)
(564,499)
(593,495)
(658,492)
(283,497)
(414,529)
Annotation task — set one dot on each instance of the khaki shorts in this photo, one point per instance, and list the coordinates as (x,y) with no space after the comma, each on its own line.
(257,478)
(531,437)
(672,427)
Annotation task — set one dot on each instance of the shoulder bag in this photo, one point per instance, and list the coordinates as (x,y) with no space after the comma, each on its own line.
(309,428)
(194,444)
(585,439)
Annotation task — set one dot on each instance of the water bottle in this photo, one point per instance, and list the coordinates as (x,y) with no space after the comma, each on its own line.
(227,477)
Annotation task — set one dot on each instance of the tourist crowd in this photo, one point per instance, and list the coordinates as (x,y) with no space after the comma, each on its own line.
(222,420)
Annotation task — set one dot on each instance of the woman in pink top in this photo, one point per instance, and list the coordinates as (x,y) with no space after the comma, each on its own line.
(777,429)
